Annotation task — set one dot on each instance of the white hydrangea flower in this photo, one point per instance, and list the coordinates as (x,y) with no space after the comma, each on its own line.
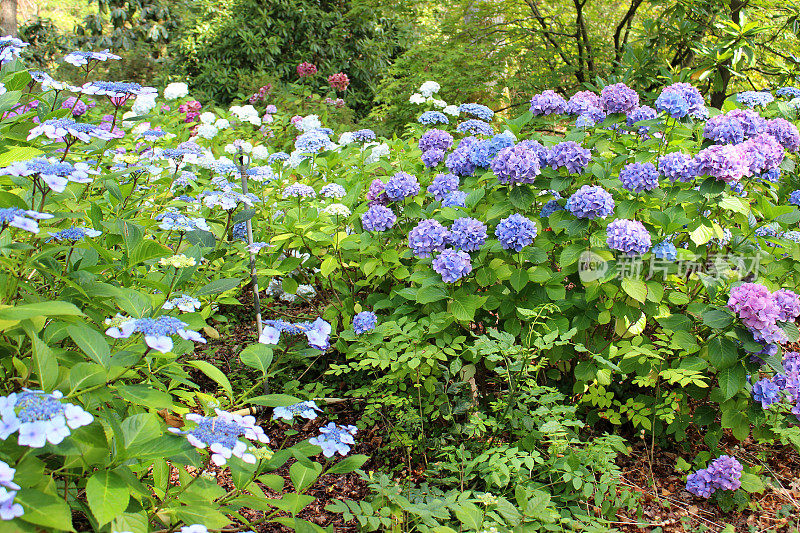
(144,103)
(260,152)
(208,118)
(337,210)
(346,138)
(306,291)
(417,98)
(176,90)
(429,88)
(207,131)
(441,104)
(222,124)
(381,150)
(308,123)
(451,110)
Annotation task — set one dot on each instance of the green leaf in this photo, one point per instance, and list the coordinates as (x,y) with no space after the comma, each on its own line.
(197,514)
(258,356)
(469,514)
(133,522)
(292,503)
(45,510)
(147,249)
(752,483)
(521,197)
(722,353)
(140,428)
(635,288)
(736,204)
(18,153)
(92,343)
(26,311)
(302,476)
(570,254)
(145,396)
(218,285)
(464,305)
(44,361)
(717,319)
(431,293)
(675,322)
(107,495)
(274,400)
(328,265)
(519,278)
(731,380)
(214,373)
(790,328)
(701,234)
(348,464)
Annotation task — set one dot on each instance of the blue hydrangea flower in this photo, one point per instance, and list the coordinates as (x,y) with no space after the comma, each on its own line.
(618,98)
(724,473)
(515,232)
(400,186)
(317,332)
(378,218)
(477,110)
(333,190)
(628,236)
(56,174)
(432,157)
(334,438)
(672,98)
(433,117)
(475,127)
(700,483)
(39,417)
(364,322)
(24,219)
(157,331)
(455,199)
(313,142)
(665,250)
(516,164)
(734,126)
(80,58)
(459,162)
(435,139)
(549,208)
(428,237)
(677,166)
(582,101)
(185,303)
(591,202)
(365,135)
(788,92)
(452,265)
(766,392)
(482,153)
(10,48)
(306,410)
(467,234)
(794,197)
(754,98)
(548,103)
(277,157)
(570,155)
(443,184)
(8,491)
(672,103)
(638,177)
(639,114)
(299,190)
(74,234)
(174,221)
(220,434)
(537,148)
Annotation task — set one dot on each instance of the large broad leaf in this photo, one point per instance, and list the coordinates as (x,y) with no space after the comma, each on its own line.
(722,353)
(145,396)
(147,249)
(218,285)
(274,400)
(26,311)
(214,373)
(108,496)
(292,503)
(303,476)
(140,428)
(45,510)
(635,288)
(731,380)
(197,514)
(44,361)
(258,356)
(348,464)
(92,343)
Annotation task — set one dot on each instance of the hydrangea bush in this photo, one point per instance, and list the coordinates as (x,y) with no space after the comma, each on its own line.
(641,260)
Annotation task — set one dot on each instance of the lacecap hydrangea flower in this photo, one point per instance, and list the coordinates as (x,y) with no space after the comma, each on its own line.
(618,98)
(39,417)
(443,184)
(157,331)
(307,409)
(400,186)
(8,491)
(73,234)
(638,177)
(516,164)
(628,236)
(56,174)
(364,322)
(334,438)
(591,202)
(548,103)
(452,265)
(378,218)
(515,232)
(570,155)
(81,58)
(220,434)
(24,219)
(428,237)
(467,234)
(185,303)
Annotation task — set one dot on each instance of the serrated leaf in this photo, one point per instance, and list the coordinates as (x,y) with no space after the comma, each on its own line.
(258,356)
(214,373)
(731,380)
(93,343)
(635,288)
(108,496)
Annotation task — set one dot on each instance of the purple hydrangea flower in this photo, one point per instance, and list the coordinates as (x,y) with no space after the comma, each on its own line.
(548,103)
(467,234)
(455,199)
(435,139)
(376,194)
(459,161)
(672,103)
(307,410)
(516,164)
(452,265)
(378,218)
(723,473)
(724,162)
(766,392)
(700,483)
(785,132)
(734,126)
(364,322)
(537,148)
(515,232)
(581,101)
(671,100)
(618,98)
(432,157)
(299,190)
(364,135)
(628,236)
(758,310)
(475,127)
(638,177)
(21,218)
(427,237)
(443,184)
(591,202)
(157,332)
(220,434)
(763,153)
(400,186)
(788,304)
(677,166)
(570,155)
(638,114)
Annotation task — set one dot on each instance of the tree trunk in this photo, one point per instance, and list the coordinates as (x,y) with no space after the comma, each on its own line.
(8,17)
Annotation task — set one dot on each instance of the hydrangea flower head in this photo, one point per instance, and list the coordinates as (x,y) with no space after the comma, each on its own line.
(582,101)
(306,410)
(400,186)
(516,164)
(306,69)
(455,199)
(724,473)
(39,418)
(785,132)
(618,98)
(435,139)
(788,304)
(452,265)
(24,219)
(677,166)
(639,114)
(443,184)
(638,177)
(477,110)
(628,236)
(74,234)
(548,103)
(378,218)
(570,155)
(754,98)
(591,202)
(334,438)
(338,210)
(185,303)
(428,237)
(549,208)
(364,322)
(432,157)
(672,105)
(299,190)
(475,127)
(339,81)
(515,232)
(333,190)
(58,129)
(766,392)
(665,250)
(724,162)
(754,305)
(81,58)
(221,433)
(10,48)
(734,126)
(157,332)
(467,234)
(433,117)
(376,194)
(429,88)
